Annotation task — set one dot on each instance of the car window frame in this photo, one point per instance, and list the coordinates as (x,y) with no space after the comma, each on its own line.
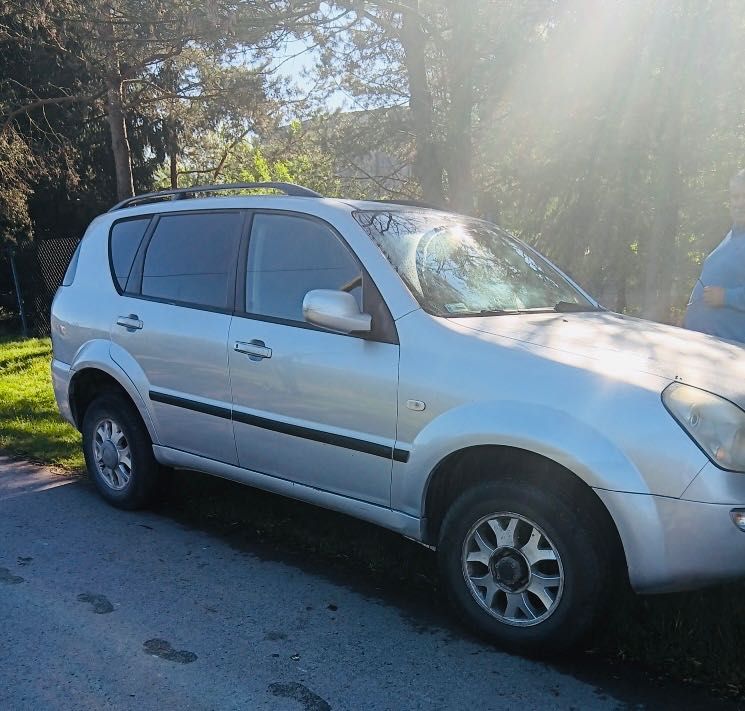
(137,271)
(384,327)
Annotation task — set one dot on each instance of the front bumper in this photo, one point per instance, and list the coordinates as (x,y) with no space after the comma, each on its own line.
(61,375)
(676,544)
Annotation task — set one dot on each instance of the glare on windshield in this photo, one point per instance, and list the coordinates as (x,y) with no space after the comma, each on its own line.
(460,267)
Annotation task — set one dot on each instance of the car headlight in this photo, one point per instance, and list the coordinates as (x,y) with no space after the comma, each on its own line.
(715,424)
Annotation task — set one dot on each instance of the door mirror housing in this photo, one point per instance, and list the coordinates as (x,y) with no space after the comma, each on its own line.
(335,310)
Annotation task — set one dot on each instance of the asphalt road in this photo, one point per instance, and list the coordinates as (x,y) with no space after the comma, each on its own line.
(104,609)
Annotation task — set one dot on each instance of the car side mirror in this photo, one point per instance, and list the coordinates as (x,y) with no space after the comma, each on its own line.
(335,310)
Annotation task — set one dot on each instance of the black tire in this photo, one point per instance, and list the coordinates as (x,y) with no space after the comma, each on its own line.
(572,529)
(144,472)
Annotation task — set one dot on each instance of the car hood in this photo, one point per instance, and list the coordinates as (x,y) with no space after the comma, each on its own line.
(624,343)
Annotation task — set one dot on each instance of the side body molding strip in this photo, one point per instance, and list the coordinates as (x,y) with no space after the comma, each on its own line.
(359,445)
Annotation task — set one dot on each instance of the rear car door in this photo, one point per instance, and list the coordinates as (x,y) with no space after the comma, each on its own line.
(173,322)
(311,405)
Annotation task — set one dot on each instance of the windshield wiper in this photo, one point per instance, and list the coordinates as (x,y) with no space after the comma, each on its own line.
(483,312)
(500,312)
(496,312)
(561,307)
(564,307)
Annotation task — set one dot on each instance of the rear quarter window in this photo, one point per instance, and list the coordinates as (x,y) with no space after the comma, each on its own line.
(72,267)
(124,240)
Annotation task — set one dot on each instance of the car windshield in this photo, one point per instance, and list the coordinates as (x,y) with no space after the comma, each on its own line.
(457,266)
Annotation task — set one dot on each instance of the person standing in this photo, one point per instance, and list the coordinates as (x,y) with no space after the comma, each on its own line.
(717,303)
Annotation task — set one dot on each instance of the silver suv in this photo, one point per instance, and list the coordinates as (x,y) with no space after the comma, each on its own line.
(418,369)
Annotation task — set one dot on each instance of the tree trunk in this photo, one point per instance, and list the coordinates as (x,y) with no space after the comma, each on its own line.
(119,142)
(665,224)
(117,123)
(460,150)
(170,76)
(427,164)
(173,153)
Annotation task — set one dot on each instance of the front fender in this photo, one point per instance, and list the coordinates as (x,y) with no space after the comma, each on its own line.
(96,355)
(552,433)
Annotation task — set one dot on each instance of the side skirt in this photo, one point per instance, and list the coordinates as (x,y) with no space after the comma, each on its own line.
(397,521)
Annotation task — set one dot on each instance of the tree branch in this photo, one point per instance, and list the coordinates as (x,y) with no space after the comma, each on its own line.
(403,9)
(227,151)
(54,100)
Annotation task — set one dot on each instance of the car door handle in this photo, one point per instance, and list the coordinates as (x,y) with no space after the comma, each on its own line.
(255,350)
(131,322)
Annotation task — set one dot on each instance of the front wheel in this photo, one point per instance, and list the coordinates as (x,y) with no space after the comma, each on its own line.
(529,568)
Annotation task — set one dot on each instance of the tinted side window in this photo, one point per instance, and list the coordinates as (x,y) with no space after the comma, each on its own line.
(125,239)
(191,258)
(288,256)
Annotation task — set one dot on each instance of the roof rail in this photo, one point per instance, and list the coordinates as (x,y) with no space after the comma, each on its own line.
(183,193)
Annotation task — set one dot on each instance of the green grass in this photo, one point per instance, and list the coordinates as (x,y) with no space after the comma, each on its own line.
(30,424)
(694,637)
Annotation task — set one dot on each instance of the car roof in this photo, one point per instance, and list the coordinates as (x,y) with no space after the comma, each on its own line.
(392,206)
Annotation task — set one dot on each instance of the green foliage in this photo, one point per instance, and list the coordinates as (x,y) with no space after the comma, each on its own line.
(15,178)
(174,68)
(56,166)
(604,134)
(288,156)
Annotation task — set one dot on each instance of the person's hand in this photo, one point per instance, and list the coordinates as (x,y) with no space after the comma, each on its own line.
(714,296)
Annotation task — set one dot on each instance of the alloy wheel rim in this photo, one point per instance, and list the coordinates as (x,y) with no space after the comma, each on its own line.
(512,569)
(112,454)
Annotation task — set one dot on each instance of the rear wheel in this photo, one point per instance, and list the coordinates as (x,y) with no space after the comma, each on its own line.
(118,452)
(529,568)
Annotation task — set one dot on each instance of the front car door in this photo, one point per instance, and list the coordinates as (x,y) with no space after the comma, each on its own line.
(173,320)
(310,405)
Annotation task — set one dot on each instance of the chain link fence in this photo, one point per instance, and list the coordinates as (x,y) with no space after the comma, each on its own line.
(29,278)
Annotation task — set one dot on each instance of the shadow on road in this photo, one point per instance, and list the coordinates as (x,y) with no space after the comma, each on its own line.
(334,549)
(382,565)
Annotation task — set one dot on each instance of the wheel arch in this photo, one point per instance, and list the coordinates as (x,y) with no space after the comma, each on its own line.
(470,466)
(89,380)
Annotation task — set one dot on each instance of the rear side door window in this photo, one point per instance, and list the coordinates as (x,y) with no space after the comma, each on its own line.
(288,256)
(191,259)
